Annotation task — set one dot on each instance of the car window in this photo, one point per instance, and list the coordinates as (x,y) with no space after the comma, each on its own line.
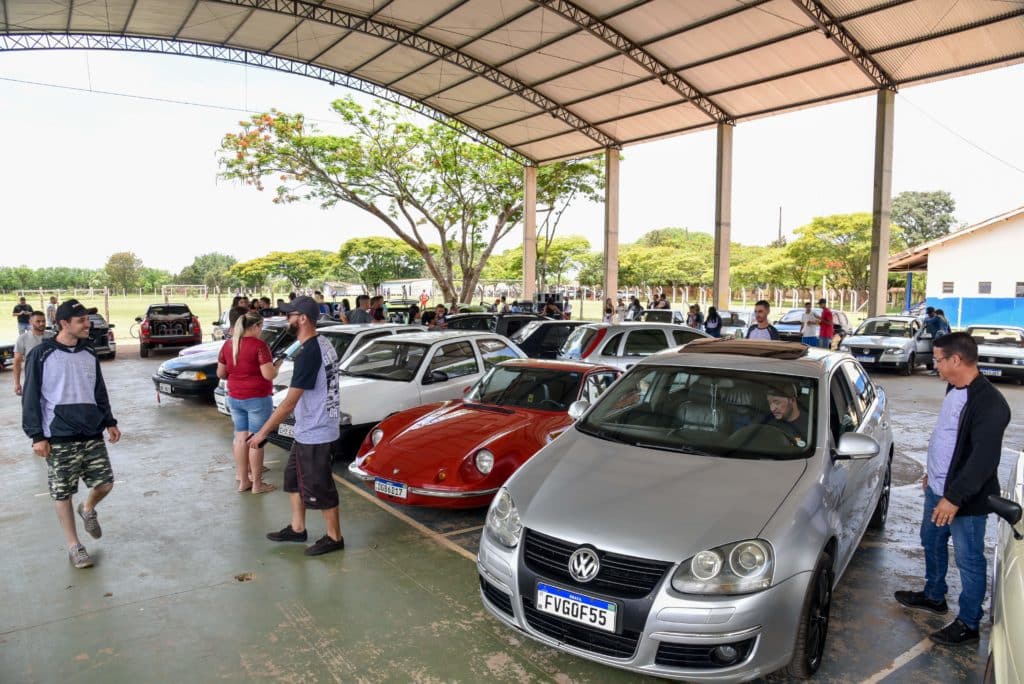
(455,360)
(525,331)
(169,310)
(578,342)
(597,383)
(469,323)
(842,414)
(611,347)
(862,387)
(556,335)
(995,335)
(644,342)
(494,352)
(513,324)
(386,360)
(342,342)
(683,336)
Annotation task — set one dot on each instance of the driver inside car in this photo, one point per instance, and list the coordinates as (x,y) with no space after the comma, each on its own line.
(785,413)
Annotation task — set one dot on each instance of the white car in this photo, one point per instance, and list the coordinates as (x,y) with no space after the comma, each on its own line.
(899,342)
(402,371)
(1000,350)
(623,345)
(1006,644)
(346,340)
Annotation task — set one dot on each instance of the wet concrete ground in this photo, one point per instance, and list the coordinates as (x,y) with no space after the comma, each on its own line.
(186,587)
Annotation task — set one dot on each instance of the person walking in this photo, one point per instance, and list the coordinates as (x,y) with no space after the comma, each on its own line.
(64,411)
(713,323)
(761,329)
(26,342)
(248,366)
(22,311)
(963,462)
(826,327)
(313,397)
(360,314)
(809,326)
(51,313)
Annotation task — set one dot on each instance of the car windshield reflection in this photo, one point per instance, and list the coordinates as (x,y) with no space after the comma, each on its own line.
(397,361)
(718,412)
(1001,337)
(885,328)
(532,388)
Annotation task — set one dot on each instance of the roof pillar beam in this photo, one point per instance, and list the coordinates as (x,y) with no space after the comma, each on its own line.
(881,203)
(723,217)
(611,225)
(837,33)
(529,232)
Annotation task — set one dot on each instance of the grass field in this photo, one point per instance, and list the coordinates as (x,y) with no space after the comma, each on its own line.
(124,309)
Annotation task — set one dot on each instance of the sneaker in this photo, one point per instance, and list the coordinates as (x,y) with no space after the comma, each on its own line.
(917,600)
(324,545)
(288,534)
(92,524)
(79,557)
(954,634)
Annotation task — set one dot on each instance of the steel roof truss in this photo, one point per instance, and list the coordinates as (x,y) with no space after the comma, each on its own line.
(838,34)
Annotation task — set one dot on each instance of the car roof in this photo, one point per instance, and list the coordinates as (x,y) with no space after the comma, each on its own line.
(814,362)
(996,325)
(638,325)
(435,336)
(568,366)
(359,327)
(894,317)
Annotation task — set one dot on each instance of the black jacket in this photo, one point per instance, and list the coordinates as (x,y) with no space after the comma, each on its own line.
(771,331)
(973,472)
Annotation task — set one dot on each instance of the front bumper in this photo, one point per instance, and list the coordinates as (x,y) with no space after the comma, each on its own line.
(344,447)
(433,497)
(672,628)
(173,387)
(220,398)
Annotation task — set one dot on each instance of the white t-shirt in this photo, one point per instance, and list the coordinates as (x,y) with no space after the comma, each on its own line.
(809,325)
(759,334)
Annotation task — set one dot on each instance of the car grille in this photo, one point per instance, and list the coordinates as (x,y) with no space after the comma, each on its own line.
(996,359)
(698,656)
(170,373)
(865,351)
(498,598)
(603,643)
(620,576)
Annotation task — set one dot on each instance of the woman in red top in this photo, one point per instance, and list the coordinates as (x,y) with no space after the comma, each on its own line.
(246,363)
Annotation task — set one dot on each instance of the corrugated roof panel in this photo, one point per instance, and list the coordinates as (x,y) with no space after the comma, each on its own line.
(309,39)
(36,15)
(568,145)
(783,92)
(473,19)
(799,52)
(96,17)
(683,115)
(431,79)
(625,102)
(568,53)
(261,30)
(844,8)
(520,36)
(353,51)
(156,18)
(467,94)
(407,14)
(213,22)
(919,19)
(397,63)
(611,73)
(535,127)
(501,112)
(653,18)
(968,48)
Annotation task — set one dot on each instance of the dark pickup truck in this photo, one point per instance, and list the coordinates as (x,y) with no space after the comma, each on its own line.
(168,325)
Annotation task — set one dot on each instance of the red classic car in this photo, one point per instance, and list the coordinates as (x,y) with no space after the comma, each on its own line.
(456,454)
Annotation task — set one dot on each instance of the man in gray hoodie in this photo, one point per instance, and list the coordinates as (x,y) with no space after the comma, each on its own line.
(64,411)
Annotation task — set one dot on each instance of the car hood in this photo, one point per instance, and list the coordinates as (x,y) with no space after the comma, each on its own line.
(1000,350)
(877,341)
(205,347)
(368,400)
(648,503)
(192,362)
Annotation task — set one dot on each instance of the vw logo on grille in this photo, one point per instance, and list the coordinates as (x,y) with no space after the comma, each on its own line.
(584,565)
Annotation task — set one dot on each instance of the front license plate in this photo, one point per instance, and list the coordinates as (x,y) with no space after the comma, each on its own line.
(568,605)
(222,404)
(390,488)
(866,357)
(991,371)
(286,430)
(165,388)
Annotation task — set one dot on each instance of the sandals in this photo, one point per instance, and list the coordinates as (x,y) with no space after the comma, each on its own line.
(264,488)
(243,490)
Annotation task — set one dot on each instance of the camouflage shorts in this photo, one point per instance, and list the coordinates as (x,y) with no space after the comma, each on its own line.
(71,461)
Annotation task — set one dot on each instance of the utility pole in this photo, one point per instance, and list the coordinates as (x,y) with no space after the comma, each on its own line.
(780,224)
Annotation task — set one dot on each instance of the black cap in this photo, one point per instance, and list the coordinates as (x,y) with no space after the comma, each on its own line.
(303,305)
(72,308)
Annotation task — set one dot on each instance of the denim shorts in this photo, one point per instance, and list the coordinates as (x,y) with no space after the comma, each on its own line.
(249,415)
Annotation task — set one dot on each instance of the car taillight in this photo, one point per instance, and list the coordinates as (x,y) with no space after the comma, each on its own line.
(145,326)
(195,326)
(593,344)
(110,335)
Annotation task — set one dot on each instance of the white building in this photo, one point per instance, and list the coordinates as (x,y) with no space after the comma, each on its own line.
(975,275)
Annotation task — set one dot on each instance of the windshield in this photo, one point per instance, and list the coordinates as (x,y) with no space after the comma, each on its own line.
(386,360)
(886,328)
(709,411)
(578,342)
(169,310)
(340,341)
(1001,337)
(472,323)
(525,331)
(663,316)
(533,388)
(795,315)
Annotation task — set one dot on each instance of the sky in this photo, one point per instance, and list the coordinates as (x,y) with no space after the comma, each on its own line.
(102,152)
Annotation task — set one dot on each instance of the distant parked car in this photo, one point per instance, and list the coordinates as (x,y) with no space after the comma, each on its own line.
(623,345)
(501,323)
(1005,664)
(6,354)
(1000,350)
(899,342)
(789,325)
(734,323)
(101,335)
(168,325)
(661,316)
(543,339)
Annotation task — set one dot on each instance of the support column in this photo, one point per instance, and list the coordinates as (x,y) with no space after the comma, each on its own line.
(611,225)
(529,233)
(909,298)
(878,282)
(723,216)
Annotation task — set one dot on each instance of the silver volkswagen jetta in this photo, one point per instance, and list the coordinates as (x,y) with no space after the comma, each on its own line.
(696,519)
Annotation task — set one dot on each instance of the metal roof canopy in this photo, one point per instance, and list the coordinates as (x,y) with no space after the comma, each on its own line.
(554,79)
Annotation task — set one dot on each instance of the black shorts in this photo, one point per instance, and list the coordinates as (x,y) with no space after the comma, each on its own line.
(309,474)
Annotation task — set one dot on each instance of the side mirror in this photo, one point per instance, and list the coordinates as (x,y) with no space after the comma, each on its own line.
(855,446)
(578,408)
(111,325)
(138,319)
(1010,511)
(436,376)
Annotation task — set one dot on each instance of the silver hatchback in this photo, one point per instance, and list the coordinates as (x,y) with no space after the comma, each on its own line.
(694,522)
(624,344)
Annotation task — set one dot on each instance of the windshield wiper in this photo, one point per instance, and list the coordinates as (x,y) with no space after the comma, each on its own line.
(604,434)
(375,376)
(679,449)
(486,407)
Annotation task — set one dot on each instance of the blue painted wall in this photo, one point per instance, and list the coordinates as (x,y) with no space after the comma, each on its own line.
(981,310)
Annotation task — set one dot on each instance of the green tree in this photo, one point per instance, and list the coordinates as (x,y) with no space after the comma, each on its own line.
(153,278)
(377,259)
(123,270)
(591,271)
(418,181)
(837,247)
(506,266)
(210,269)
(565,254)
(301,268)
(558,185)
(923,216)
(251,274)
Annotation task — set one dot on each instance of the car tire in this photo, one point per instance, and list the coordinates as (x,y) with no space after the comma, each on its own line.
(813,630)
(908,370)
(144,350)
(881,513)
(930,365)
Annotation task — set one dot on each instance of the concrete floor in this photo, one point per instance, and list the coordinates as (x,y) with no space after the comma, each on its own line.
(186,587)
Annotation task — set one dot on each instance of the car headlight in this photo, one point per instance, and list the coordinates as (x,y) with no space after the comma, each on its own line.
(503,520)
(739,568)
(192,375)
(345,418)
(484,461)
(376,436)
(1018,362)
(896,351)
(844,347)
